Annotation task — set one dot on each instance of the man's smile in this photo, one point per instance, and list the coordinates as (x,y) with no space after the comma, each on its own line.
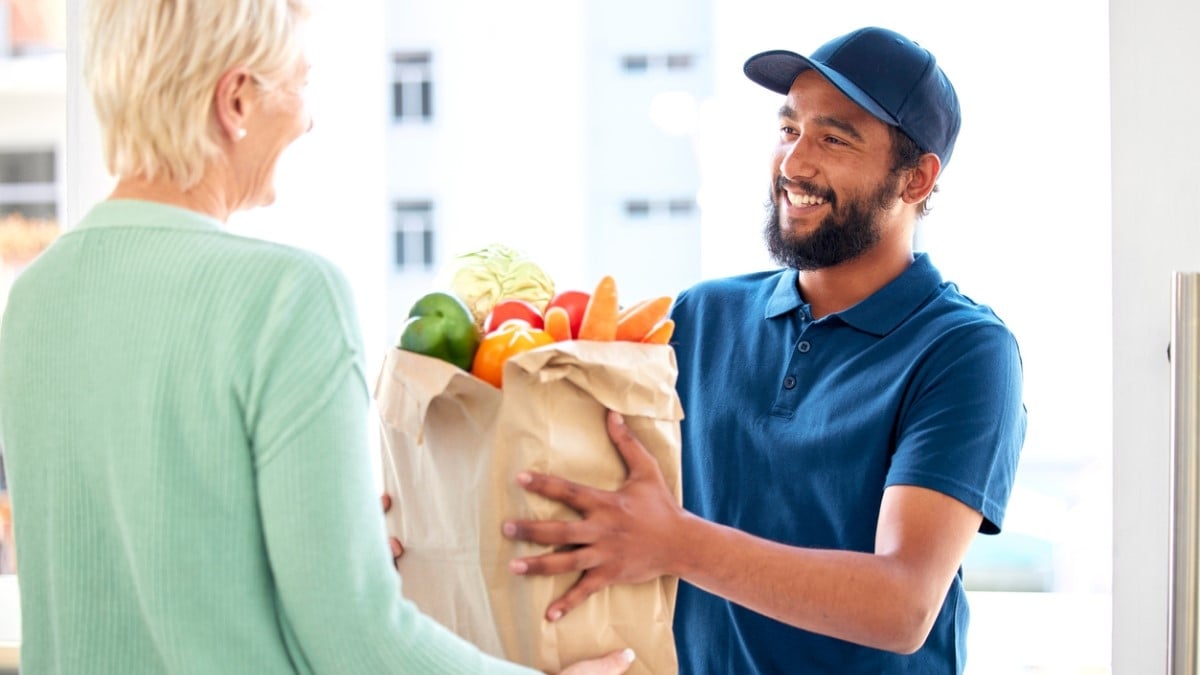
(804,199)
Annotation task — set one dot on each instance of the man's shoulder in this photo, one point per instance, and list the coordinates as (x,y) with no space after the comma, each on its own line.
(951,325)
(955,307)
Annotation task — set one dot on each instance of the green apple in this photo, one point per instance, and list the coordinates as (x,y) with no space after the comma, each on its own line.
(441,326)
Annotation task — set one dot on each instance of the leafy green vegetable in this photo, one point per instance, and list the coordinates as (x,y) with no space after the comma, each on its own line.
(497,272)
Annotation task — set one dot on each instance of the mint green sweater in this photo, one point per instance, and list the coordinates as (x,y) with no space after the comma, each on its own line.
(183,415)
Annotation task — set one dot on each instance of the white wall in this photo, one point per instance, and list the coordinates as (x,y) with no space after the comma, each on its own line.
(86,179)
(330,184)
(1156,231)
(24,122)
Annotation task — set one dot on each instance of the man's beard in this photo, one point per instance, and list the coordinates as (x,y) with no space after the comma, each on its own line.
(851,230)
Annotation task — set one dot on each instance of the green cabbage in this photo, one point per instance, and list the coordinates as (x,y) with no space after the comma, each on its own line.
(494,273)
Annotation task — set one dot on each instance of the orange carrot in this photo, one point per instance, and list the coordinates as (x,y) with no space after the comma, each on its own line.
(661,333)
(626,311)
(643,317)
(600,317)
(558,323)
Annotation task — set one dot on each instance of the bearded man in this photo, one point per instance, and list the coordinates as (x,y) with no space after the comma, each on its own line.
(852,419)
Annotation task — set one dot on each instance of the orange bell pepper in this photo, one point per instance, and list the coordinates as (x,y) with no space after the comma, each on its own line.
(509,339)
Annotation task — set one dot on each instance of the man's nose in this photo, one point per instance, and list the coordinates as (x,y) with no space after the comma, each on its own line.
(797,159)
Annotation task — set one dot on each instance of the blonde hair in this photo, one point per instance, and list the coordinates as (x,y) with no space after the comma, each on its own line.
(152,68)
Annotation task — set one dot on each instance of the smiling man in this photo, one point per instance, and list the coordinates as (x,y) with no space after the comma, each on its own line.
(853,420)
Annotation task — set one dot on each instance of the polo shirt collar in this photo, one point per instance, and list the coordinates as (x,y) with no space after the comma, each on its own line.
(882,311)
(786,296)
(142,213)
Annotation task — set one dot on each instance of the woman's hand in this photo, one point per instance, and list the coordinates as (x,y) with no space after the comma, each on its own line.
(612,664)
(397,547)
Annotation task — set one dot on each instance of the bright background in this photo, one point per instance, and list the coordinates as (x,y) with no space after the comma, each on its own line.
(1022,222)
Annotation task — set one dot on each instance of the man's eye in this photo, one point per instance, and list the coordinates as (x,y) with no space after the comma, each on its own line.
(788,131)
(835,140)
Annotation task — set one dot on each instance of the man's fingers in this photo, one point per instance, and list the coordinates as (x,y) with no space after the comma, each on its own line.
(574,495)
(589,583)
(638,459)
(549,564)
(549,532)
(386,502)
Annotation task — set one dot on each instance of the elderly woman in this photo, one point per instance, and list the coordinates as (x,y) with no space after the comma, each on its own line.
(184,411)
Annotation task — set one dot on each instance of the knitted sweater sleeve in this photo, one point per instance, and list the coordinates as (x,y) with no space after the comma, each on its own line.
(339,602)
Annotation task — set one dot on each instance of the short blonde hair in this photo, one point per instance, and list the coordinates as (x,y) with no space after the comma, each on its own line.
(152,68)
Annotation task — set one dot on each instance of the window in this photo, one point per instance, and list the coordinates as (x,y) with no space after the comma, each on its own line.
(414,235)
(637,208)
(641,63)
(635,62)
(28,184)
(679,61)
(681,208)
(412,87)
(674,208)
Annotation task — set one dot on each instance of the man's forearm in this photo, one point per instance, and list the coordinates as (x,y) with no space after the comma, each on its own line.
(864,598)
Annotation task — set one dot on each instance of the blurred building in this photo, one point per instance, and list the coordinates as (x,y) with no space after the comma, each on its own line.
(574,143)
(32,108)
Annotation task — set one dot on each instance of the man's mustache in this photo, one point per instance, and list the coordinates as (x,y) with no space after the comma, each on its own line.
(782,184)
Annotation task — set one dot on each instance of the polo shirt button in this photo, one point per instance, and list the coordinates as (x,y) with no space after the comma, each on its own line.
(789,382)
(804,346)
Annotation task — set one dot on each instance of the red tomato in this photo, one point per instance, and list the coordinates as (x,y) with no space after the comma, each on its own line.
(512,308)
(575,302)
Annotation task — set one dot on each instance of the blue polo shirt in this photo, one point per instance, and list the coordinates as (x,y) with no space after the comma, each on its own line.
(794,428)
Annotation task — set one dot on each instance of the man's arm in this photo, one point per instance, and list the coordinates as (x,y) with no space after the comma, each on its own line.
(887,599)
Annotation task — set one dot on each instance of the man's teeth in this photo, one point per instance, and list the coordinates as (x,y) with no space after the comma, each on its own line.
(804,200)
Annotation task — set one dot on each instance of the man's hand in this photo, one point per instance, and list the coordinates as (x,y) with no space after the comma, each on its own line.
(396,546)
(627,536)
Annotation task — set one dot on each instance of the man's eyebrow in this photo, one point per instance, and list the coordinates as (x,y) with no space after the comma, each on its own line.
(846,127)
(788,112)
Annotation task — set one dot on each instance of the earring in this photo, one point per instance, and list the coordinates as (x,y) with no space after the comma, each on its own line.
(240,134)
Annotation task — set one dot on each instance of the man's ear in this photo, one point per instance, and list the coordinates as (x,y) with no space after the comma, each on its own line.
(922,179)
(230,103)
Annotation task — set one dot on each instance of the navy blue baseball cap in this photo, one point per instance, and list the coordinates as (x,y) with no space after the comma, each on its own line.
(889,75)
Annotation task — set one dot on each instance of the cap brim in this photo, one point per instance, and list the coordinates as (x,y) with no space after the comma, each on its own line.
(777,69)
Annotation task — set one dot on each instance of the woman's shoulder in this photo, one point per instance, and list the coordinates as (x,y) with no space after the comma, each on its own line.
(278,260)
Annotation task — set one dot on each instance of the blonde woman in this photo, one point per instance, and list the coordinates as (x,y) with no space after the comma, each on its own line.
(183,411)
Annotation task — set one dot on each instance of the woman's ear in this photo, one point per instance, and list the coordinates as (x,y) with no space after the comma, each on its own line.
(230,102)
(922,178)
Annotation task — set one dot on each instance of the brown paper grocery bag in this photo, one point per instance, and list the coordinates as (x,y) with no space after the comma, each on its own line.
(451,446)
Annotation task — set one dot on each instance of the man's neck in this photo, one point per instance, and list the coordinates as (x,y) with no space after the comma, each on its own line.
(834,289)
